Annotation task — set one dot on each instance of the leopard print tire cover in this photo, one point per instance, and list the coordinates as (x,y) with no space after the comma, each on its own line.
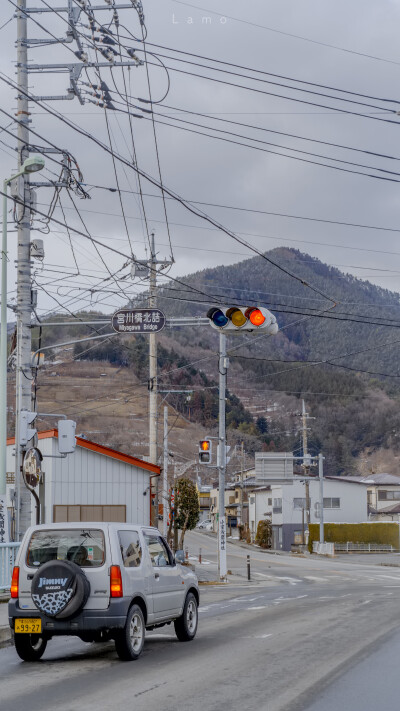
(60,589)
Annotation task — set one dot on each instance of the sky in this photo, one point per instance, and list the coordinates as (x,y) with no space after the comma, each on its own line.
(348,46)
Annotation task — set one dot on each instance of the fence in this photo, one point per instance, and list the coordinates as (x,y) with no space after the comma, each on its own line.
(8,552)
(364,547)
(324,548)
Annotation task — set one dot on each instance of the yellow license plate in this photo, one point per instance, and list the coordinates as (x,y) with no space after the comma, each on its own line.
(28,625)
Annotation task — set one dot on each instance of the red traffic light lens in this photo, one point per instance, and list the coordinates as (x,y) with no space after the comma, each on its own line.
(205,445)
(255,316)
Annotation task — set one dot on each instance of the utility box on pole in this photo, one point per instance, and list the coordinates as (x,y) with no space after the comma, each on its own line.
(66,436)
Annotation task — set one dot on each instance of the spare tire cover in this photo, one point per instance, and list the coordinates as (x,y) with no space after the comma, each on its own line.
(60,588)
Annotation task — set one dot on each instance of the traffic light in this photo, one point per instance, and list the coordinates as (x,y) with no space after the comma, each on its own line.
(242,318)
(205,451)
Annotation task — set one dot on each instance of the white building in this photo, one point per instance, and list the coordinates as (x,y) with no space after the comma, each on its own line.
(345,501)
(95,483)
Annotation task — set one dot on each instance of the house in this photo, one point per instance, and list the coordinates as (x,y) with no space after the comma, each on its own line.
(204,501)
(345,501)
(95,483)
(236,502)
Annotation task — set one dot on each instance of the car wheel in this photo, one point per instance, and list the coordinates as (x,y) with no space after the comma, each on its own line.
(129,642)
(30,647)
(60,589)
(186,624)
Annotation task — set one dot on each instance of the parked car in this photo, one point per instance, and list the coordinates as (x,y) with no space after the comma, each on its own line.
(206,524)
(99,581)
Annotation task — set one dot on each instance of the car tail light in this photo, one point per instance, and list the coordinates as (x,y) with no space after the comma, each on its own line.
(115,581)
(15,582)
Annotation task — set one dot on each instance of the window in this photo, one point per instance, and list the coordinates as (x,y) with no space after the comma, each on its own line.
(131,550)
(299,503)
(85,547)
(269,502)
(252,499)
(277,507)
(331,503)
(159,553)
(388,495)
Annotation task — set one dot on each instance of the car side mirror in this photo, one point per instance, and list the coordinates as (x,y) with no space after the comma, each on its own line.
(180,557)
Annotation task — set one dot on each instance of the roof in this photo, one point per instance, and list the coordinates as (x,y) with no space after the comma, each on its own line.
(395,508)
(371,479)
(101,449)
(364,481)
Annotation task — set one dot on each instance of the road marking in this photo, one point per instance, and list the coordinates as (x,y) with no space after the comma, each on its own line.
(365,602)
(314,577)
(260,607)
(291,581)
(390,577)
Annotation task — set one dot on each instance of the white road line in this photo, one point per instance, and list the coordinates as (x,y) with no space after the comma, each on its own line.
(291,581)
(390,577)
(314,577)
(260,607)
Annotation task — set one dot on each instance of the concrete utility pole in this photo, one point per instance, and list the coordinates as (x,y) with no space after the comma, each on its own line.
(321,497)
(24,299)
(306,463)
(223,368)
(165,474)
(153,453)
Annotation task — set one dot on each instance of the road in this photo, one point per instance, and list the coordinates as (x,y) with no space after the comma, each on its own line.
(276,643)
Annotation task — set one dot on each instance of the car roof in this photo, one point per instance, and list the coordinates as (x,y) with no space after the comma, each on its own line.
(103,525)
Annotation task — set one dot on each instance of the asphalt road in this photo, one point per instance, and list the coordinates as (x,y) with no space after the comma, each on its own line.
(304,635)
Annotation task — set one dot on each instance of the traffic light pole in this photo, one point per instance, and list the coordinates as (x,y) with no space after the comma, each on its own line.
(223,368)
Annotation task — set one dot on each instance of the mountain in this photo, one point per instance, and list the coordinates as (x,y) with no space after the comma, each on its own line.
(337,349)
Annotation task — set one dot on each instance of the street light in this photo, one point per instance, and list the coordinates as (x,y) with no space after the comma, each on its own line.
(30,165)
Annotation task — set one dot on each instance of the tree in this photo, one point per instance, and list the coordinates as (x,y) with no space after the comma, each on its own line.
(187,507)
(262,425)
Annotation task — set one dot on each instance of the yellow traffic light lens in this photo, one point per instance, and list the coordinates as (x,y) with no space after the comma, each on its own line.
(256,317)
(237,317)
(205,445)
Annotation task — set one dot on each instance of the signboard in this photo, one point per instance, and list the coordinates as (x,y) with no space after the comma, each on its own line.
(4,535)
(32,466)
(138,321)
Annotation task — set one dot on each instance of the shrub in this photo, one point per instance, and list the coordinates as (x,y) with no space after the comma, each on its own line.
(264,534)
(373,532)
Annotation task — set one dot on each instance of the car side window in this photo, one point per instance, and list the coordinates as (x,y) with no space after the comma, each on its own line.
(159,553)
(131,549)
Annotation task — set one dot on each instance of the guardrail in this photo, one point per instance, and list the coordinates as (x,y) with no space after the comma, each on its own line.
(365,547)
(8,552)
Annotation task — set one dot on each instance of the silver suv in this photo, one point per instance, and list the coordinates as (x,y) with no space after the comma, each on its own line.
(99,581)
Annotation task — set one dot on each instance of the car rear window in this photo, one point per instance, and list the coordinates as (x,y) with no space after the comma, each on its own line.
(82,546)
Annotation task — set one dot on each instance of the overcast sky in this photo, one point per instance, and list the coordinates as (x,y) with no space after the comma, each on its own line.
(283,37)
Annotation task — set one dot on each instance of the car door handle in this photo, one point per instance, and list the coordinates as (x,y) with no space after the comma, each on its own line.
(157,576)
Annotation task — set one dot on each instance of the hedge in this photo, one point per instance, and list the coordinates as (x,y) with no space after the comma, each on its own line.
(374,532)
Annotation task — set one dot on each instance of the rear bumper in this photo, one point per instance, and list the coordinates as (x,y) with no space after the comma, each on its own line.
(114,617)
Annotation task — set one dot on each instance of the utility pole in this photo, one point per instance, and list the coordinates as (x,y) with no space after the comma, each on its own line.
(165,474)
(306,464)
(223,369)
(321,497)
(153,263)
(24,298)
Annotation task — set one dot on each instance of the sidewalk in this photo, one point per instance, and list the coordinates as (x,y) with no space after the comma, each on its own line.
(5,632)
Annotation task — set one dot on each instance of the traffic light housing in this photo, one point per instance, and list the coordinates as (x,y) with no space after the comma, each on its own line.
(205,451)
(242,318)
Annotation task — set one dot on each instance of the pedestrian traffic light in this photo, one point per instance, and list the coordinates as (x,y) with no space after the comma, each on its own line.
(242,318)
(205,451)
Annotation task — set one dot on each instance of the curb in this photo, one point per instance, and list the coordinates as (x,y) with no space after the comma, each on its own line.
(5,637)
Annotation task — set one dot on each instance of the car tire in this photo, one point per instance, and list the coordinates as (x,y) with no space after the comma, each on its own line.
(30,647)
(64,600)
(129,641)
(186,624)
